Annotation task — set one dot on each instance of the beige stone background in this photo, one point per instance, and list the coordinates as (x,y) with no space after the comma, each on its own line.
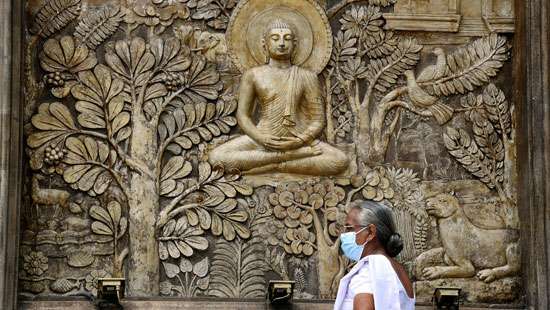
(98,198)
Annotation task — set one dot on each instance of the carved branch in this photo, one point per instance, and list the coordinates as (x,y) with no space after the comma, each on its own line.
(133,164)
(115,174)
(164,215)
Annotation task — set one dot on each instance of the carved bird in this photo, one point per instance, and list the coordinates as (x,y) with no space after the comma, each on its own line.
(436,71)
(422,99)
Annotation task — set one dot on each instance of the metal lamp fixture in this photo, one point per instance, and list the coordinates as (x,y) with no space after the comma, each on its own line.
(446,298)
(110,290)
(280,292)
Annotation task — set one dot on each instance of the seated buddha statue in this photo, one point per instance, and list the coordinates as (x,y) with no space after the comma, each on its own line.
(290,119)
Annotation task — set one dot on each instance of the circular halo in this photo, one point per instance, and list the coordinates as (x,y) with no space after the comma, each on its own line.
(251,17)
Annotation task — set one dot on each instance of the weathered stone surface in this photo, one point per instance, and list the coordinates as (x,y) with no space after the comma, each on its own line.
(126,107)
(503,291)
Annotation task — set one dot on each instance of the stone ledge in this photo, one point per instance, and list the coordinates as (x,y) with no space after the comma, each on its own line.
(423,22)
(206,304)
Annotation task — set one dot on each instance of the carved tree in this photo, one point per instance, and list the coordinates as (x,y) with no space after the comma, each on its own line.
(368,64)
(120,119)
(485,156)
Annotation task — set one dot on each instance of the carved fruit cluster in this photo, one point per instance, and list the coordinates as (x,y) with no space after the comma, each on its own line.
(53,155)
(173,81)
(54,79)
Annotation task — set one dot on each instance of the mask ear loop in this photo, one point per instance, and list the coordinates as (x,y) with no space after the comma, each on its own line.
(358,232)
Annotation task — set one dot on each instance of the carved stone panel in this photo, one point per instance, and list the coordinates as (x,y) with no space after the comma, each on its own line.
(202,148)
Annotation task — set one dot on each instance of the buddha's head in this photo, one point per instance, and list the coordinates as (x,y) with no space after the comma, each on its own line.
(279,40)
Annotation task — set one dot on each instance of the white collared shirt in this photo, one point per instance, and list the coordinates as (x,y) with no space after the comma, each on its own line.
(374,275)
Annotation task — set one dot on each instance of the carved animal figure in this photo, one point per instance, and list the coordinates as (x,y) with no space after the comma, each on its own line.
(212,45)
(46,196)
(436,71)
(467,247)
(423,100)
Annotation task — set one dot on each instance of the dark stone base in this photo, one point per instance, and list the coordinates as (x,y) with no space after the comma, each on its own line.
(504,291)
(172,304)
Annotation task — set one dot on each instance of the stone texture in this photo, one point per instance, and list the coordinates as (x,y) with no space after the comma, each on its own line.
(533,91)
(10,156)
(215,305)
(532,151)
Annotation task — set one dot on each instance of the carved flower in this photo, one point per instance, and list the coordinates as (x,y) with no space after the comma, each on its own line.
(63,59)
(299,241)
(157,14)
(91,279)
(35,263)
(362,20)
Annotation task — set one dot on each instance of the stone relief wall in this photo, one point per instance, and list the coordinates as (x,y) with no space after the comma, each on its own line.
(128,104)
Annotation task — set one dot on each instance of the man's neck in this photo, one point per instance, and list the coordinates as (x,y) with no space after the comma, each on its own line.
(280,63)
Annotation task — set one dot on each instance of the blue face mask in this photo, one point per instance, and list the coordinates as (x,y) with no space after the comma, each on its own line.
(351,249)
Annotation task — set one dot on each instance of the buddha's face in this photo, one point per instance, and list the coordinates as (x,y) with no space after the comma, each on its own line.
(280,43)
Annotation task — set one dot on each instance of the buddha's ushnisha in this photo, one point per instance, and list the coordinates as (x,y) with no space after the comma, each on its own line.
(291,116)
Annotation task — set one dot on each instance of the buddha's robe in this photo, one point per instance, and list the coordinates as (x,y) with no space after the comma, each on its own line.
(289,106)
(293,108)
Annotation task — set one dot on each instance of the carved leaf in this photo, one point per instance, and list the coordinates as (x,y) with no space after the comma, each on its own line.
(344,48)
(200,269)
(471,66)
(498,109)
(381,44)
(64,55)
(100,100)
(80,259)
(55,15)
(490,144)
(131,59)
(179,238)
(238,267)
(54,120)
(108,221)
(171,270)
(86,158)
(460,145)
(191,124)
(474,106)
(97,26)
(384,72)
(382,3)
(175,169)
(170,55)
(215,12)
(228,218)
(362,21)
(201,82)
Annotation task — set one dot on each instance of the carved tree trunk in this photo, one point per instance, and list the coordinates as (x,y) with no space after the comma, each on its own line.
(372,143)
(328,266)
(143,262)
